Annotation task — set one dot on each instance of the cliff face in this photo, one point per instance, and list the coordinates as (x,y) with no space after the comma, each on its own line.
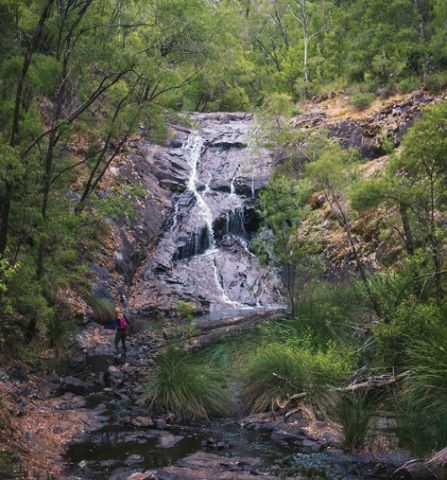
(198,211)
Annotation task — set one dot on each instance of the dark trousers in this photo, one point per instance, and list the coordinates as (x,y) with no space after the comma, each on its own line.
(120,335)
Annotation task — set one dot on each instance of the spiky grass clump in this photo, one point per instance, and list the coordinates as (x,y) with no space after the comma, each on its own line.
(277,371)
(354,411)
(103,310)
(427,381)
(181,384)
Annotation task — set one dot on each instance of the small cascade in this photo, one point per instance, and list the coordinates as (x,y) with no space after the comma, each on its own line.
(235,222)
(220,284)
(206,242)
(175,217)
(194,149)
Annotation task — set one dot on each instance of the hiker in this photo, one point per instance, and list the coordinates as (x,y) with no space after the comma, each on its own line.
(120,324)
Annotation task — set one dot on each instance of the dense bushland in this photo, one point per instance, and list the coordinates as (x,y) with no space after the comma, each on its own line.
(393,318)
(79,77)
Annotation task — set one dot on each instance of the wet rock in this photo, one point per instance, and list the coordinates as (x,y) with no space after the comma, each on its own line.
(142,476)
(17,375)
(139,422)
(75,385)
(116,376)
(206,466)
(68,401)
(211,444)
(160,423)
(167,440)
(78,362)
(133,460)
(337,465)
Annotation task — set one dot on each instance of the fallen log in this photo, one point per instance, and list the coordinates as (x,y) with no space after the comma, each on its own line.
(414,470)
(433,469)
(438,464)
(377,381)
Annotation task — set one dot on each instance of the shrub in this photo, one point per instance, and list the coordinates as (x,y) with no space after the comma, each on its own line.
(361,101)
(58,326)
(436,81)
(415,430)
(326,310)
(190,389)
(277,371)
(186,311)
(395,338)
(103,311)
(354,411)
(8,466)
(427,380)
(407,85)
(422,409)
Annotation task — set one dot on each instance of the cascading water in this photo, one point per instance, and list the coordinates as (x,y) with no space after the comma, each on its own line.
(204,256)
(194,149)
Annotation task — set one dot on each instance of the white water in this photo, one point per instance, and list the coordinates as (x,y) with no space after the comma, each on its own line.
(194,149)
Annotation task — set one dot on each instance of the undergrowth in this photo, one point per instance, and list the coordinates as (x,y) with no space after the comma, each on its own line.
(190,389)
(277,371)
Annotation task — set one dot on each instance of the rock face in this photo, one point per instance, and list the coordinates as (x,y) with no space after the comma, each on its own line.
(214,172)
(371,134)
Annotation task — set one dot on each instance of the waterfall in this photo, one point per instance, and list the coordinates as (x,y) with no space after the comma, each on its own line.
(194,149)
(204,253)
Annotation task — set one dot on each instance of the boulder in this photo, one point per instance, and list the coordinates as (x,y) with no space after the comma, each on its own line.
(140,422)
(167,440)
(75,385)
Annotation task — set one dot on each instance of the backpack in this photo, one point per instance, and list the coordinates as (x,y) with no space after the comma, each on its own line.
(122,322)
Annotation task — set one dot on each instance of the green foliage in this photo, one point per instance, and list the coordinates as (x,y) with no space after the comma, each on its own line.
(8,465)
(277,371)
(353,412)
(186,311)
(335,169)
(6,272)
(436,82)
(361,101)
(103,309)
(327,311)
(190,389)
(407,84)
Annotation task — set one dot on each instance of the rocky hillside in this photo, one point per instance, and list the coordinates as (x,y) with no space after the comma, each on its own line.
(139,261)
(374,132)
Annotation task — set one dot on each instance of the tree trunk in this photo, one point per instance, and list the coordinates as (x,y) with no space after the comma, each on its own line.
(347,227)
(408,234)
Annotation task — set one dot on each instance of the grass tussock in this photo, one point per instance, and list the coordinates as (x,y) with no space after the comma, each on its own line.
(181,384)
(103,309)
(426,393)
(353,411)
(277,371)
